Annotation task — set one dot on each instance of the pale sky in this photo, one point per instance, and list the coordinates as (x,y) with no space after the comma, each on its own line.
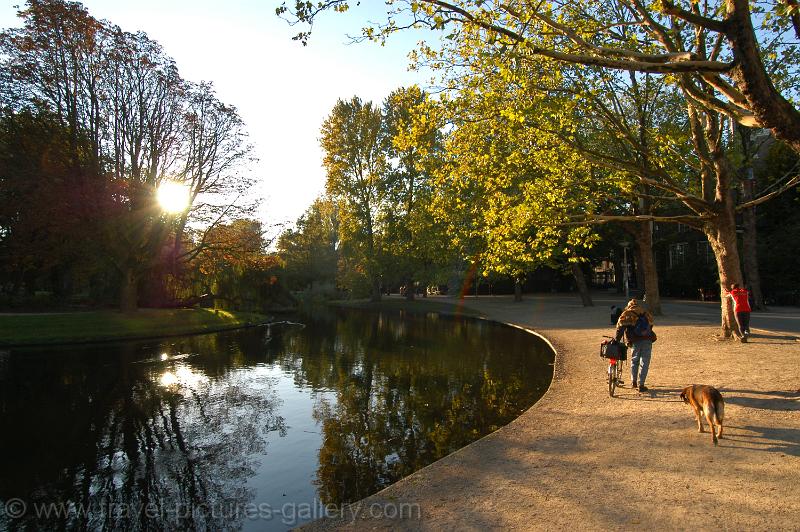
(283,90)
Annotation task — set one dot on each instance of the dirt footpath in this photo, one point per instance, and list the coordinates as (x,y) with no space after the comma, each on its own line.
(581,459)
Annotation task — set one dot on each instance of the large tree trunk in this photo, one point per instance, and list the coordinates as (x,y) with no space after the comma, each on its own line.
(580,281)
(128,291)
(720,223)
(376,291)
(638,270)
(517,290)
(750,251)
(647,265)
(749,244)
(721,233)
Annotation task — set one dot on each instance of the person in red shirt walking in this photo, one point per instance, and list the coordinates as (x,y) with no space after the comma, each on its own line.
(741,307)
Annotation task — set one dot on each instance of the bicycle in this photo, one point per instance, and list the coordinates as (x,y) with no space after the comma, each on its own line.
(616,353)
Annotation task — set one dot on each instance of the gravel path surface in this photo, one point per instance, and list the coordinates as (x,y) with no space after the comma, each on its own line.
(579,458)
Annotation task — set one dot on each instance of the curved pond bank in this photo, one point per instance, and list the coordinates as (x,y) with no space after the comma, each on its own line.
(580,458)
(255,429)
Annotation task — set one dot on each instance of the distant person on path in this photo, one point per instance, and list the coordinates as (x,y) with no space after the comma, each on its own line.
(741,307)
(636,324)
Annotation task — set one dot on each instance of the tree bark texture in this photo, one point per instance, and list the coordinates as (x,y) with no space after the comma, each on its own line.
(647,266)
(750,249)
(638,271)
(721,235)
(580,281)
(749,238)
(769,107)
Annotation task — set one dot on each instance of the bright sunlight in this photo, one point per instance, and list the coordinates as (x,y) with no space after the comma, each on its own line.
(172,196)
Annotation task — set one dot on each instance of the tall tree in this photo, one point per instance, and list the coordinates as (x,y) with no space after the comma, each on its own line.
(214,150)
(412,140)
(749,149)
(497,187)
(132,123)
(355,161)
(143,115)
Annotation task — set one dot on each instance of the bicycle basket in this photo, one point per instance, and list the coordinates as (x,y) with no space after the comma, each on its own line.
(614,349)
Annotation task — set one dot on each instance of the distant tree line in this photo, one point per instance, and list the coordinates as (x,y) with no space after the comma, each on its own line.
(93,119)
(458,190)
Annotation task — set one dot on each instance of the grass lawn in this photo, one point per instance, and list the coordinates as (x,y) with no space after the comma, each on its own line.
(72,327)
(449,306)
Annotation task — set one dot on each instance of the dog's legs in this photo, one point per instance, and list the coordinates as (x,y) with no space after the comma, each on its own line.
(710,416)
(699,419)
(720,416)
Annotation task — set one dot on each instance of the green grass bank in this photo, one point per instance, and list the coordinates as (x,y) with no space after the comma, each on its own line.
(98,326)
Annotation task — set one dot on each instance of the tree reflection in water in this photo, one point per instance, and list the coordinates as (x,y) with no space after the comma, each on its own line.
(154,445)
(175,435)
(411,391)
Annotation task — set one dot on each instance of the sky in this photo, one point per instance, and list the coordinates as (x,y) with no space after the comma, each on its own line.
(282,90)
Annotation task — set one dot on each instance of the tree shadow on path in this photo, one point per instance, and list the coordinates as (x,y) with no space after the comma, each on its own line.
(770,439)
(770,400)
(773,339)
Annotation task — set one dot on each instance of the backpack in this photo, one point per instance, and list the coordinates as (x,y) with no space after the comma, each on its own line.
(642,327)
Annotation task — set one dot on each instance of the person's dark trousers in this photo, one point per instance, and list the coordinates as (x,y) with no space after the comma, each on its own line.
(743,319)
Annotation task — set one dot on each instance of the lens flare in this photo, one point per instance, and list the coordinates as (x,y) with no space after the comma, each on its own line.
(173,197)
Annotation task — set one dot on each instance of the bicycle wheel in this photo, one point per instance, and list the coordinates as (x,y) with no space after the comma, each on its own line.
(612,378)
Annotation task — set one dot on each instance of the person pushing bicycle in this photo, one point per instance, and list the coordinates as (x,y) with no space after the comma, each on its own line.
(636,325)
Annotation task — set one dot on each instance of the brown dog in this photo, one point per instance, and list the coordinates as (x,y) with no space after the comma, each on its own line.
(708,400)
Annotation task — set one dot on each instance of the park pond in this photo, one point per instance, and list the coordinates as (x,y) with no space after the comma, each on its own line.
(261,428)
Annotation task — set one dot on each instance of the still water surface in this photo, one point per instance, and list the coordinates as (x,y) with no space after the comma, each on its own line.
(253,429)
